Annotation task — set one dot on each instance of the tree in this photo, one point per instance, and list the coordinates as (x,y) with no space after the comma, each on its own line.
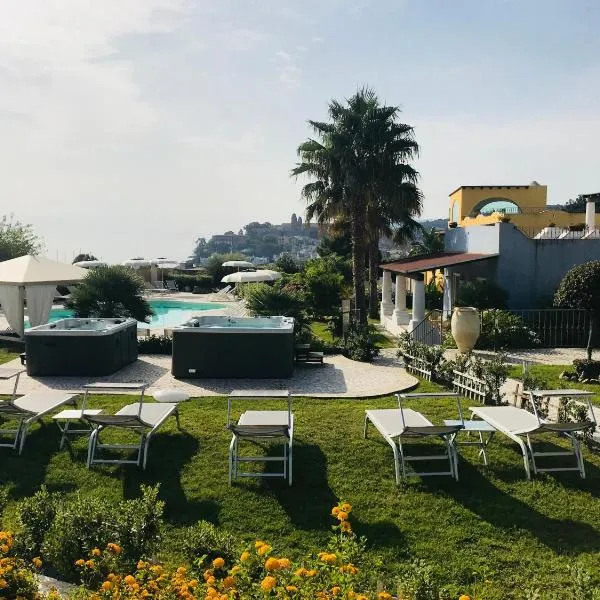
(431,241)
(354,166)
(84,256)
(580,288)
(17,239)
(215,268)
(286,264)
(578,205)
(110,292)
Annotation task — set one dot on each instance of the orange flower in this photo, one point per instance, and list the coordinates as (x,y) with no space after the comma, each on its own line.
(335,590)
(291,588)
(113,548)
(90,563)
(106,585)
(342,516)
(284,563)
(264,549)
(37,562)
(464,597)
(268,583)
(245,556)
(96,552)
(258,544)
(334,511)
(218,563)
(346,507)
(384,596)
(271,564)
(345,526)
(228,582)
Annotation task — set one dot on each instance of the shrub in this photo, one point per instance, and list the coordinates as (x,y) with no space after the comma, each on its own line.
(84,523)
(17,578)
(433,296)
(360,343)
(286,264)
(267,301)
(110,292)
(481,294)
(204,283)
(587,369)
(203,542)
(35,515)
(324,286)
(155,344)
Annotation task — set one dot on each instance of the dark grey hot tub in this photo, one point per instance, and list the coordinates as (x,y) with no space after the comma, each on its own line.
(86,347)
(220,346)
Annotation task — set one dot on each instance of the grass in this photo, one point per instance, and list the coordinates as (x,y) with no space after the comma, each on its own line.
(493,534)
(7,355)
(320,330)
(548,377)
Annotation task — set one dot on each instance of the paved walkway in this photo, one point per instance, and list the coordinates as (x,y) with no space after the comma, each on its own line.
(542,356)
(339,377)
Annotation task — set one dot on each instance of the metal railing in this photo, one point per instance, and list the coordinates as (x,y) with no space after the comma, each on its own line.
(430,330)
(553,233)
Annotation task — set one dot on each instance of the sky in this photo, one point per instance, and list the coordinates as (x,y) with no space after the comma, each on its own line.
(133,127)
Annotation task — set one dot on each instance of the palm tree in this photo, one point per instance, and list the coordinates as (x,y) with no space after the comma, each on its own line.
(358,175)
(431,241)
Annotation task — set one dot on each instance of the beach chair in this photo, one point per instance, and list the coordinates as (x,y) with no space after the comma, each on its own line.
(27,410)
(399,424)
(261,426)
(520,425)
(171,285)
(225,290)
(141,417)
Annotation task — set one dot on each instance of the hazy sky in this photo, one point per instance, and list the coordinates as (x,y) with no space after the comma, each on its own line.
(132,127)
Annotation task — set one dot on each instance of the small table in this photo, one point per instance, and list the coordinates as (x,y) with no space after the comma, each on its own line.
(70,416)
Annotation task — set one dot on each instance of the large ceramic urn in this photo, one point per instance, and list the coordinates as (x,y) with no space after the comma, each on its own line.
(465,327)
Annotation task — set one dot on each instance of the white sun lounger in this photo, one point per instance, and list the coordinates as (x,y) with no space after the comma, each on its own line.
(395,424)
(140,417)
(520,425)
(27,410)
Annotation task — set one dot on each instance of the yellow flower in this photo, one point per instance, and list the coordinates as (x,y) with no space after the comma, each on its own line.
(264,549)
(291,588)
(207,574)
(384,596)
(3,583)
(334,511)
(361,597)
(464,597)
(310,573)
(218,563)
(106,585)
(228,582)
(284,563)
(335,590)
(181,571)
(271,564)
(211,580)
(342,516)
(299,572)
(37,562)
(245,556)
(114,548)
(236,569)
(268,583)
(258,544)
(346,507)
(90,563)
(4,548)
(96,552)
(345,526)
(327,558)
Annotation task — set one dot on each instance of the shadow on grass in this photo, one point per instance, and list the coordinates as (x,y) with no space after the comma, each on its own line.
(502,510)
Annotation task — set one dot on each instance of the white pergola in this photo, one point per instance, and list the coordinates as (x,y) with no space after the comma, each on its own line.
(34,278)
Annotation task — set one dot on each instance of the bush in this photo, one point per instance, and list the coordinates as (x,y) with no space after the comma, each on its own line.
(17,578)
(204,283)
(84,523)
(203,542)
(324,286)
(155,344)
(587,369)
(360,343)
(481,294)
(35,515)
(265,300)
(433,296)
(286,264)
(110,292)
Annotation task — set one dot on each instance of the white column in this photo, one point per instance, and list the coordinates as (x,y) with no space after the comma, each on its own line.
(418,303)
(447,305)
(386,296)
(400,315)
(590,215)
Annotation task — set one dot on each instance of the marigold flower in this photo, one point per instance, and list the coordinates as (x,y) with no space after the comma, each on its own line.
(362,597)
(258,544)
(245,556)
(335,590)
(300,572)
(37,562)
(236,569)
(211,580)
(310,573)
(96,552)
(106,585)
(464,597)
(345,527)
(218,563)
(264,549)
(271,564)
(342,516)
(114,548)
(228,582)
(3,583)
(284,563)
(334,511)
(346,507)
(4,548)
(291,588)
(90,564)
(328,558)
(181,571)
(268,583)
(384,596)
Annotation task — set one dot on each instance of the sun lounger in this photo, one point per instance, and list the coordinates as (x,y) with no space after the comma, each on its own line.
(225,290)
(171,285)
(27,410)
(521,425)
(140,417)
(260,426)
(398,424)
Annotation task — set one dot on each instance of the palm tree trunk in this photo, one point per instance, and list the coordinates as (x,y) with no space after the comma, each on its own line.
(373,278)
(590,343)
(358,219)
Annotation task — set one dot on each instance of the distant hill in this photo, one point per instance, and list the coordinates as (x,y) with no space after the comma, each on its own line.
(437,223)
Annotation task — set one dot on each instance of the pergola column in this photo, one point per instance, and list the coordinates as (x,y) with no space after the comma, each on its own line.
(400,315)
(418,303)
(447,304)
(386,296)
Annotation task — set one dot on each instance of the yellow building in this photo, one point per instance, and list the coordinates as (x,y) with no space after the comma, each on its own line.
(523,205)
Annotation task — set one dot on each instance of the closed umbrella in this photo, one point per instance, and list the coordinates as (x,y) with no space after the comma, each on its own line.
(251,276)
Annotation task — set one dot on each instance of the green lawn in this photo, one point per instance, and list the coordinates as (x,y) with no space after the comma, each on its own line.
(492,534)
(548,375)
(320,330)
(7,355)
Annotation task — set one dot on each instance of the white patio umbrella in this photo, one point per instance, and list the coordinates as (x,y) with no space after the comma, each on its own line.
(251,276)
(240,264)
(136,263)
(36,278)
(90,264)
(165,263)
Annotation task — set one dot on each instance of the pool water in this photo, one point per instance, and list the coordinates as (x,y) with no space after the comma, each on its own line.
(167,313)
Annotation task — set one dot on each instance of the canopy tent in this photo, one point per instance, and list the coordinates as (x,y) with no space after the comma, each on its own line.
(251,276)
(36,278)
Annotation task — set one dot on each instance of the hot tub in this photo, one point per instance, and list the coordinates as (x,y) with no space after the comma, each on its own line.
(86,347)
(222,347)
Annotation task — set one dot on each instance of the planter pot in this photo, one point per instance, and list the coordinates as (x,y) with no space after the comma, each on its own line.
(452,224)
(465,328)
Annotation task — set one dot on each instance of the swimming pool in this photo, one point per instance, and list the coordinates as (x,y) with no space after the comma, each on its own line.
(167,313)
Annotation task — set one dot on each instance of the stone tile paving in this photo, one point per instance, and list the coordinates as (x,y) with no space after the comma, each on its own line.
(542,356)
(339,377)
